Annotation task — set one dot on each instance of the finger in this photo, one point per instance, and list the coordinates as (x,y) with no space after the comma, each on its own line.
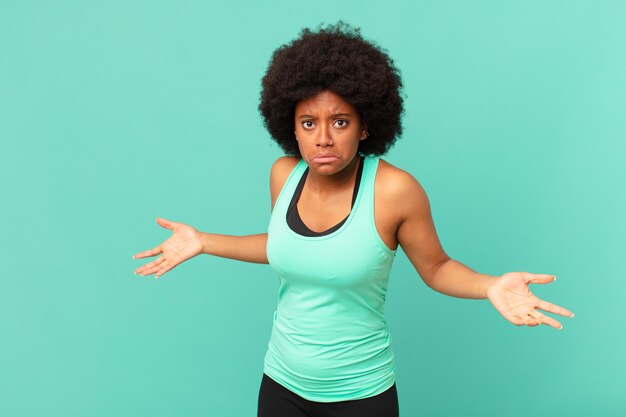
(541,318)
(515,319)
(538,278)
(166,223)
(150,270)
(154,269)
(163,270)
(531,320)
(151,252)
(552,323)
(553,308)
(144,269)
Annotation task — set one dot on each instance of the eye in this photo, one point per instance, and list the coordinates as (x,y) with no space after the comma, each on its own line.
(308,124)
(341,123)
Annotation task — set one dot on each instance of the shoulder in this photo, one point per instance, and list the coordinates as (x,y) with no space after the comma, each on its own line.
(285,162)
(415,232)
(281,168)
(400,189)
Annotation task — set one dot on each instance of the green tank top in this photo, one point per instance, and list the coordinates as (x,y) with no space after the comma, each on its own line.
(330,340)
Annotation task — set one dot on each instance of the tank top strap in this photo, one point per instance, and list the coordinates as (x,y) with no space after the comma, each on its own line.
(370,165)
(365,217)
(365,209)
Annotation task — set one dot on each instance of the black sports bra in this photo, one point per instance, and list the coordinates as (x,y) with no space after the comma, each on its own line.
(294,221)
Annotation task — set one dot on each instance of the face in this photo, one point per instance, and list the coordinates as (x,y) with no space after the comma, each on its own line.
(326,124)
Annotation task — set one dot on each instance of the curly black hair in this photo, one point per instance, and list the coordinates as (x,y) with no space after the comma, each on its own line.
(335,58)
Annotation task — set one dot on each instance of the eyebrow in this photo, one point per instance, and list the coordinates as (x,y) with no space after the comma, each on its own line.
(308,116)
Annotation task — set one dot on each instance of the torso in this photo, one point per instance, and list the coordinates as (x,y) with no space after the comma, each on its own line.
(320,213)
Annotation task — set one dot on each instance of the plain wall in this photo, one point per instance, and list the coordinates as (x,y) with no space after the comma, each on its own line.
(114,113)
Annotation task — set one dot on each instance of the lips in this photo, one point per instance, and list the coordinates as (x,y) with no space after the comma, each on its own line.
(325,157)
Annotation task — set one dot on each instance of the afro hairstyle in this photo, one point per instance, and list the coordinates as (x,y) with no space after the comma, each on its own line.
(338,59)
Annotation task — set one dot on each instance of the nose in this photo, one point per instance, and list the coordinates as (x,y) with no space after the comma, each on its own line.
(323,138)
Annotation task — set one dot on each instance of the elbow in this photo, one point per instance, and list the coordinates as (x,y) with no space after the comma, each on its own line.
(431,275)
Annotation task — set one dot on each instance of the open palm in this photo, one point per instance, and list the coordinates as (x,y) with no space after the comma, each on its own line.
(184,243)
(512,298)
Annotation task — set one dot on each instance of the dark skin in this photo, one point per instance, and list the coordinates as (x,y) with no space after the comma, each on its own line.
(327,124)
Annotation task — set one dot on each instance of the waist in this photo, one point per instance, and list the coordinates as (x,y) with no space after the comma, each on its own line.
(329,353)
(346,370)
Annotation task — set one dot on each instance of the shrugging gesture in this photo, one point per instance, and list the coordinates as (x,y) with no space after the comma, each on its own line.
(185,243)
(508,293)
(511,296)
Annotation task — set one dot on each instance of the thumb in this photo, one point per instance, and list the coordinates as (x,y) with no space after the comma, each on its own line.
(539,278)
(166,223)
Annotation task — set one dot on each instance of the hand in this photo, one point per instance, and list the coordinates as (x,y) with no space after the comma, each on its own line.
(185,243)
(511,297)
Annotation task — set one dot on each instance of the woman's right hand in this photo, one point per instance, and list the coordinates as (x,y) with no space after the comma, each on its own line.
(184,243)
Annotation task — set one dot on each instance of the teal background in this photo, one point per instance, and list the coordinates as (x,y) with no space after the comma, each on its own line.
(114,113)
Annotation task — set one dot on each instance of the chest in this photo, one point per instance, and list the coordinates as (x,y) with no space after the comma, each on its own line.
(320,213)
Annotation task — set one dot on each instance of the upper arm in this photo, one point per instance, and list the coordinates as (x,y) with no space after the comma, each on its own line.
(416,232)
(281,168)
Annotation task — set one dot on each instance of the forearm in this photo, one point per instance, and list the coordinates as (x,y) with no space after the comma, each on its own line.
(249,248)
(457,280)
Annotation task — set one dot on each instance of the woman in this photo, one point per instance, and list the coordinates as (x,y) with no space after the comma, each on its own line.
(333,103)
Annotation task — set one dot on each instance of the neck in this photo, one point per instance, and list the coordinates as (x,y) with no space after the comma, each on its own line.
(326,184)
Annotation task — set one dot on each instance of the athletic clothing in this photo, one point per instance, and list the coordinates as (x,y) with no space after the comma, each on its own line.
(277,401)
(293,216)
(330,340)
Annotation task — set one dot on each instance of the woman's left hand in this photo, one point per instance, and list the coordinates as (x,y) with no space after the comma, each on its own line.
(510,295)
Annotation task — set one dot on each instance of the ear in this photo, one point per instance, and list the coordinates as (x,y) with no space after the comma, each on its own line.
(364,132)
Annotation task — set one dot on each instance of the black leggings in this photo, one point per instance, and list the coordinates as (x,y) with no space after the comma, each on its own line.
(277,401)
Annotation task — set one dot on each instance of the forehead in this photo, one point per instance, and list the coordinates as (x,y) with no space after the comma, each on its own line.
(325,101)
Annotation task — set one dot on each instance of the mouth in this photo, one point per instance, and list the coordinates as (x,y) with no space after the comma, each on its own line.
(326,157)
